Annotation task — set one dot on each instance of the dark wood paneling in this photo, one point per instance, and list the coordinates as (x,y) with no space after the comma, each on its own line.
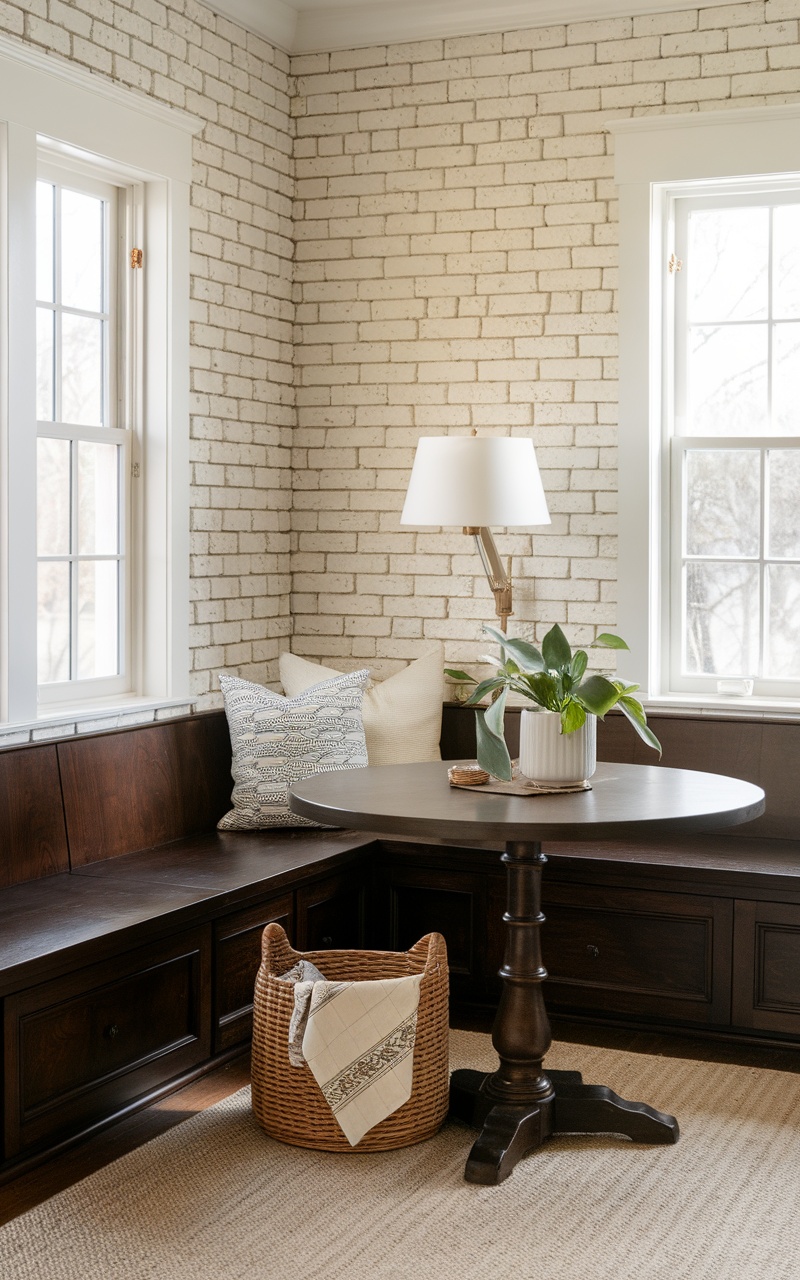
(330,913)
(33,839)
(137,788)
(237,956)
(83,1045)
(767,967)
(427,900)
(635,951)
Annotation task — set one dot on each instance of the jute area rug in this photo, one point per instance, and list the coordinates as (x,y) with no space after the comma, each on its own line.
(215,1198)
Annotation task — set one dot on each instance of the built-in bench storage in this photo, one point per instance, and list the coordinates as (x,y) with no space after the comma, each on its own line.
(130,927)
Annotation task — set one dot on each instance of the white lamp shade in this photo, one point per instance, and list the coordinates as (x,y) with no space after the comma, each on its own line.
(476,481)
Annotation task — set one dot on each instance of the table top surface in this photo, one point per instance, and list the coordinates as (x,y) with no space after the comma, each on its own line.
(626,800)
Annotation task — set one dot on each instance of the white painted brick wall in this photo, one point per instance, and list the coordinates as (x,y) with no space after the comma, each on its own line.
(456,267)
(453,227)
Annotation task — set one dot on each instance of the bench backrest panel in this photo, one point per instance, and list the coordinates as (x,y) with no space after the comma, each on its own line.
(140,787)
(33,838)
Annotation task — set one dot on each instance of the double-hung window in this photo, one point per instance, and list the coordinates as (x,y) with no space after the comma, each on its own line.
(732,427)
(94,394)
(709,425)
(85,397)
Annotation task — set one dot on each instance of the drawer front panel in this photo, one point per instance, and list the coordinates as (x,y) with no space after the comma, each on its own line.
(92,1037)
(237,958)
(767,967)
(629,951)
(452,903)
(82,1046)
(330,913)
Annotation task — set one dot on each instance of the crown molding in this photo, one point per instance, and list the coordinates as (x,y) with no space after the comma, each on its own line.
(321,26)
(53,65)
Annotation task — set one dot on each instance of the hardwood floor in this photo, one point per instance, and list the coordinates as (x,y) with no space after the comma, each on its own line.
(70,1166)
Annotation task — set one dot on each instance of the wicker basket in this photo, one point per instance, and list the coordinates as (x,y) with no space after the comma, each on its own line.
(287,1100)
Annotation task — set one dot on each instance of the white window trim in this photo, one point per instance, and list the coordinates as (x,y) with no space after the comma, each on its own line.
(651,153)
(42,96)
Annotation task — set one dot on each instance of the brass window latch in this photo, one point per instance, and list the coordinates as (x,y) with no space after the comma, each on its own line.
(674,265)
(136,258)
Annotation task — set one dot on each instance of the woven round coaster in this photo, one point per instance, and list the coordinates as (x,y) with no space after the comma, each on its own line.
(467,775)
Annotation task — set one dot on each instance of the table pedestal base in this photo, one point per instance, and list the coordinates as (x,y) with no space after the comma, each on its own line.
(510,1130)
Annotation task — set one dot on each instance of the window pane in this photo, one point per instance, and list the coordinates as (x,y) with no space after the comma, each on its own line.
(45,355)
(53,496)
(786,379)
(783,648)
(783,514)
(728,264)
(721,612)
(81,251)
(728,381)
(786,262)
(82,371)
(97,619)
(97,499)
(45,231)
(53,621)
(723,502)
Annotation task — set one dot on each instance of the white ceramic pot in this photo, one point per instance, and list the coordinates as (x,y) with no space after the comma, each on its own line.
(549,756)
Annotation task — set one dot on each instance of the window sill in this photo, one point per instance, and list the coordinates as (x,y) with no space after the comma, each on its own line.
(92,717)
(721,707)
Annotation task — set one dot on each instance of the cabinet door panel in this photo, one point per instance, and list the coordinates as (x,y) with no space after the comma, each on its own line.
(330,913)
(80,1047)
(661,955)
(236,960)
(452,903)
(766,994)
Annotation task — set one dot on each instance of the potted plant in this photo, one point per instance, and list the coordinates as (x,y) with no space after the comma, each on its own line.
(557,742)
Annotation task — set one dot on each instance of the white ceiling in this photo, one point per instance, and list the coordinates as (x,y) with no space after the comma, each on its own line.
(314,26)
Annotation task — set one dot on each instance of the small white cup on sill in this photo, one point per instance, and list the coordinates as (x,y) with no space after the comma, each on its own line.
(735,688)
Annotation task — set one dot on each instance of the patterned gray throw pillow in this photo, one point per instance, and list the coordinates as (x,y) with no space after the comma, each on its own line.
(277,741)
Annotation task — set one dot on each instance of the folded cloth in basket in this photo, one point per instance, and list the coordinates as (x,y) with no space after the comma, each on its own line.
(359,1045)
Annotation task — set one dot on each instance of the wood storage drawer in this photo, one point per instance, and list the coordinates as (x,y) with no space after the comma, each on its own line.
(237,961)
(80,1048)
(660,955)
(766,994)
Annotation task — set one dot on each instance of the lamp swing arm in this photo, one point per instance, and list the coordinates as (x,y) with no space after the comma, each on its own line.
(499,578)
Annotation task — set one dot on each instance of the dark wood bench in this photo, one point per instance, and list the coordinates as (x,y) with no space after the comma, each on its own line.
(130,927)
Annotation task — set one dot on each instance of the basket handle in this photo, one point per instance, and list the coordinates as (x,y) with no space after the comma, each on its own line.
(277,954)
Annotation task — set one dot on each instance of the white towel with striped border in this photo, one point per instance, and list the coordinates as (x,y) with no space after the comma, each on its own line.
(359,1045)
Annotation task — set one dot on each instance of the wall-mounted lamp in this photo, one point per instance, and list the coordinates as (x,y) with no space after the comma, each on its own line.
(475,482)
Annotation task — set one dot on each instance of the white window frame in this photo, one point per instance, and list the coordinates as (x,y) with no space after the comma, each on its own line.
(654,156)
(43,99)
(121,415)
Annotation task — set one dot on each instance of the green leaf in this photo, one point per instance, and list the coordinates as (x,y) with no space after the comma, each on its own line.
(492,750)
(485,686)
(459,675)
(526,656)
(597,695)
(607,641)
(499,636)
(580,661)
(495,715)
(543,690)
(572,717)
(555,649)
(633,710)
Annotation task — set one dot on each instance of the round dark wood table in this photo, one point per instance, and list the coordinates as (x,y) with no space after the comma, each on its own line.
(519,1106)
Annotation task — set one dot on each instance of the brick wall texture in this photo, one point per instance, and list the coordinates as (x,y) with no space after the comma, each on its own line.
(391,242)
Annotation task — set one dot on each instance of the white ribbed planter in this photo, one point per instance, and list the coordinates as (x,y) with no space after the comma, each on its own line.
(549,756)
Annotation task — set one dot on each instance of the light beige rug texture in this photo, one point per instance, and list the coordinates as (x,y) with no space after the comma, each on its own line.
(215,1199)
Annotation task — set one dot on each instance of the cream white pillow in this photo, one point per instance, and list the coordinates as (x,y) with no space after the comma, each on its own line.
(402,715)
